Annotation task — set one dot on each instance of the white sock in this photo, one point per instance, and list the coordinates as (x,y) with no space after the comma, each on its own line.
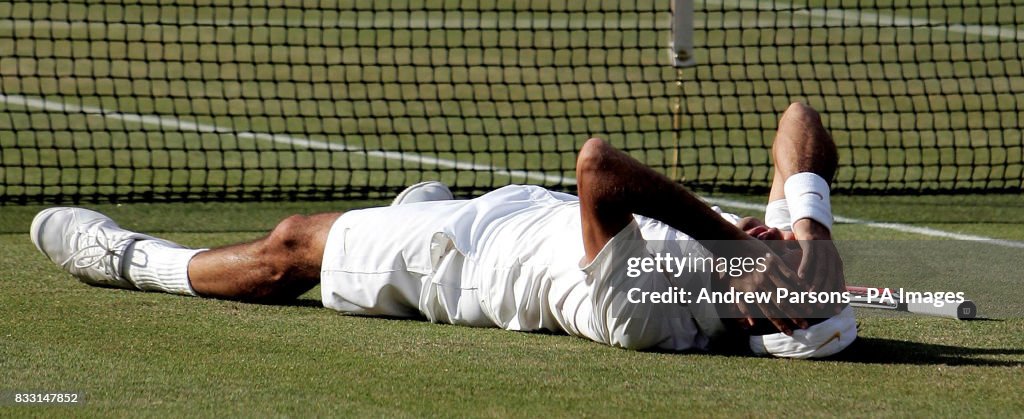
(159,265)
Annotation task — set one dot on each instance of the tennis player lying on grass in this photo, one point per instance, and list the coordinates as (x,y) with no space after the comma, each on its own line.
(522,257)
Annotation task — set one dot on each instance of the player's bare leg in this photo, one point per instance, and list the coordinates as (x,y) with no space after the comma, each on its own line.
(97,251)
(281,266)
(286,263)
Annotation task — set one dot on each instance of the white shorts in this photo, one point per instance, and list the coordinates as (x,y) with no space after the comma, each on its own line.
(385,262)
(356,277)
(375,261)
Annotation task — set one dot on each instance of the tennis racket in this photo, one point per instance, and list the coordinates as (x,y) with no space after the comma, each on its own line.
(870,297)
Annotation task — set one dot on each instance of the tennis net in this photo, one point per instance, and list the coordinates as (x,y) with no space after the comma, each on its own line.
(292,99)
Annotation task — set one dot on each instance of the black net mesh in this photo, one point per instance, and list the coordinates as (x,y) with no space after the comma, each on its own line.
(920,95)
(228,100)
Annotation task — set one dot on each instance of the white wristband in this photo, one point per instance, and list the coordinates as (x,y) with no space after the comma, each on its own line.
(807,195)
(776,214)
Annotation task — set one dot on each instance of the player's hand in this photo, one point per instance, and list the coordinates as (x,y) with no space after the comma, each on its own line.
(785,317)
(821,267)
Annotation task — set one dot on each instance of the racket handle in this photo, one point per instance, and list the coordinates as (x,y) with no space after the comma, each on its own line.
(963,311)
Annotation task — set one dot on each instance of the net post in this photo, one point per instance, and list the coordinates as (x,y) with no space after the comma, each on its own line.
(681,46)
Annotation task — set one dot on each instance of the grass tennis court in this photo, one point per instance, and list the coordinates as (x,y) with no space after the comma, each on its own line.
(154,354)
(207,101)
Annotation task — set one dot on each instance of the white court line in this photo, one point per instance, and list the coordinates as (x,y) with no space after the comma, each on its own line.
(871,19)
(924,231)
(177,124)
(478,20)
(405,20)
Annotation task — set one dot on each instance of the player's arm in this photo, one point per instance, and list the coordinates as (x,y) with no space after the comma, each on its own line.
(613,186)
(805,159)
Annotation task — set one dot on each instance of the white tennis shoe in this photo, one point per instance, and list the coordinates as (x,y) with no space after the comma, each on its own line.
(430,190)
(87,244)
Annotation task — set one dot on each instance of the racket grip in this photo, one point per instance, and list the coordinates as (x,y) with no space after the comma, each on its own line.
(963,311)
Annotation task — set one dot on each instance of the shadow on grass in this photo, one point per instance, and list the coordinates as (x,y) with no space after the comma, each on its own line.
(882,351)
(891,351)
(298,302)
(864,350)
